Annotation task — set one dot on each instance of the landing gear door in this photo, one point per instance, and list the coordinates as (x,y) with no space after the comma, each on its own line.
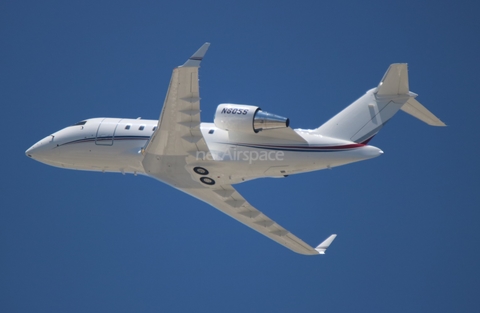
(106,131)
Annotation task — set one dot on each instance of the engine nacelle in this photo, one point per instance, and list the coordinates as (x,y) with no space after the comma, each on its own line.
(247,118)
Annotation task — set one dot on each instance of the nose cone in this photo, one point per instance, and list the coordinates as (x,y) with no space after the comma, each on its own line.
(41,149)
(29,151)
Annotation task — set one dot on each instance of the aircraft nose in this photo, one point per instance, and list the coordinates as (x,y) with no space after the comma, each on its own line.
(40,148)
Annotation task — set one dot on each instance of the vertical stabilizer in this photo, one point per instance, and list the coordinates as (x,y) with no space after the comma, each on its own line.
(364,118)
(395,81)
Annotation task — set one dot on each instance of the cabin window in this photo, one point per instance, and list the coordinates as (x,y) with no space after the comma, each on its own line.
(154,127)
(211,131)
(142,127)
(127,126)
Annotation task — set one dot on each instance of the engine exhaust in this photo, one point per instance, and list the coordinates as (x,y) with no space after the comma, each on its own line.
(264,120)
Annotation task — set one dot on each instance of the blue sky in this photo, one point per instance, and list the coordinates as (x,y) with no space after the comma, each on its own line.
(407,222)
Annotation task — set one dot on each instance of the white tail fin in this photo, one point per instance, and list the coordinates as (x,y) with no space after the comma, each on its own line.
(365,117)
(395,81)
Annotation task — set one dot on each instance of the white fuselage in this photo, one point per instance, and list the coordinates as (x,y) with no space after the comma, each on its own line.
(115,145)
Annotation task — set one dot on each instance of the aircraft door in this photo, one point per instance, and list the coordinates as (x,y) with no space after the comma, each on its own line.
(106,131)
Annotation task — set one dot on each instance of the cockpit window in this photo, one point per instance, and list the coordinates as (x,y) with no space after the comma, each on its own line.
(80,123)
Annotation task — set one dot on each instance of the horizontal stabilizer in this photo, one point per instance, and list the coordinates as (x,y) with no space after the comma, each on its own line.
(416,109)
(321,248)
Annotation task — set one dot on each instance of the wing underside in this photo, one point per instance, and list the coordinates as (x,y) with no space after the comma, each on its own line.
(173,149)
(226,199)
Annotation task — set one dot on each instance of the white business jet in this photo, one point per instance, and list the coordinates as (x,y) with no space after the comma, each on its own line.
(244,142)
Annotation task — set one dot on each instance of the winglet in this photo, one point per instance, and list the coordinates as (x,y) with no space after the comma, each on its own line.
(325,244)
(196,58)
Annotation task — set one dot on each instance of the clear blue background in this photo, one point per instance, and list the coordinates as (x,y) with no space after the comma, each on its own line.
(408,221)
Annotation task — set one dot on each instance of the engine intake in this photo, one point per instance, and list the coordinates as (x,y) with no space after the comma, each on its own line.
(247,118)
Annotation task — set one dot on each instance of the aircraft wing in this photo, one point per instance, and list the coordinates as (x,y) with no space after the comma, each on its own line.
(226,199)
(174,147)
(178,129)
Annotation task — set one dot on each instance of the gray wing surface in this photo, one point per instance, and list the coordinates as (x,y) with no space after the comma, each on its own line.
(175,144)
(226,199)
(178,130)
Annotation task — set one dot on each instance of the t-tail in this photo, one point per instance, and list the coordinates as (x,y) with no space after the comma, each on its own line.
(364,118)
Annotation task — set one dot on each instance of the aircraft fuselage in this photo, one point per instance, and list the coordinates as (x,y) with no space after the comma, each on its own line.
(115,145)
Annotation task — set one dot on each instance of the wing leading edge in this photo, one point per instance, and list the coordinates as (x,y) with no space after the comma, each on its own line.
(178,130)
(174,147)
